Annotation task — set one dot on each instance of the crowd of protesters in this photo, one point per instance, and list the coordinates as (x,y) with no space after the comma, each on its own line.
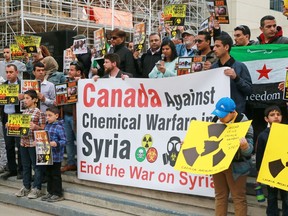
(159,61)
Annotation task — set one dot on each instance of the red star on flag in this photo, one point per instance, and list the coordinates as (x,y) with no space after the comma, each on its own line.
(264,72)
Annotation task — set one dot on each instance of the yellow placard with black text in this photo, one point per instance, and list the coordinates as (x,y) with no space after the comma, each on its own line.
(209,148)
(274,166)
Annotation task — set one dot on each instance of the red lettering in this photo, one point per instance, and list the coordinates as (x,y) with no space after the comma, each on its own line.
(83,166)
(121,98)
(88,89)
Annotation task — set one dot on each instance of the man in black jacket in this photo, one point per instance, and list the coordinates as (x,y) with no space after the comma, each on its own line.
(118,46)
(10,141)
(148,60)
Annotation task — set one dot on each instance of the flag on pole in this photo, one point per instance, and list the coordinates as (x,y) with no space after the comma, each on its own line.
(267,66)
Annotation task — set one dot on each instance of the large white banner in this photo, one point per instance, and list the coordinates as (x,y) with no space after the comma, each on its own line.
(129,132)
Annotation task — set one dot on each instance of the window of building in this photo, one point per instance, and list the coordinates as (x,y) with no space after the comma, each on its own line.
(276,5)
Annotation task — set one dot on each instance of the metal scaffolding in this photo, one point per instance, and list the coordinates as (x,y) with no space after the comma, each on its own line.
(35,16)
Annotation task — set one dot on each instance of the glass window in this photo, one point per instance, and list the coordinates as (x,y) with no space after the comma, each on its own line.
(276,5)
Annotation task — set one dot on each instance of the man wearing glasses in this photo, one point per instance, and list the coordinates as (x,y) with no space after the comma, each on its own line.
(203,43)
(187,48)
(118,46)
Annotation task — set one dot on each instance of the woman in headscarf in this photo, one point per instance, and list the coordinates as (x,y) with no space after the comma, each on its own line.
(52,73)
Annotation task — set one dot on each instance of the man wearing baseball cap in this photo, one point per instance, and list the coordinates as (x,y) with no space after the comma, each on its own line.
(233,180)
(187,48)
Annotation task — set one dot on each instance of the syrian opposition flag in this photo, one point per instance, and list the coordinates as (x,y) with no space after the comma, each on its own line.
(267,66)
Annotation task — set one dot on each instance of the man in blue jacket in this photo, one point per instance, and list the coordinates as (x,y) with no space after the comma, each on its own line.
(240,84)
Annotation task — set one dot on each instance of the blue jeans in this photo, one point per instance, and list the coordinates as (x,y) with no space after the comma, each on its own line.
(71,137)
(28,156)
(272,199)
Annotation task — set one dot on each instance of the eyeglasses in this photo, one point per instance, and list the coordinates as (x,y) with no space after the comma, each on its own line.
(114,37)
(240,27)
(243,29)
(198,41)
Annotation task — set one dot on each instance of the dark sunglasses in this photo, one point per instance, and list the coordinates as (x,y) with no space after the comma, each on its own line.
(240,27)
(198,41)
(76,63)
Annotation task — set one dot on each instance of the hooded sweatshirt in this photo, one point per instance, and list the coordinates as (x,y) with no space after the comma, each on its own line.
(277,39)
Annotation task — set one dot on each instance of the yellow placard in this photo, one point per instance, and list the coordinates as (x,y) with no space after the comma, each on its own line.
(274,166)
(209,148)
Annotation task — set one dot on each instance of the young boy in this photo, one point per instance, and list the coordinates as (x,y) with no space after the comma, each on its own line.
(27,148)
(234,178)
(272,114)
(57,137)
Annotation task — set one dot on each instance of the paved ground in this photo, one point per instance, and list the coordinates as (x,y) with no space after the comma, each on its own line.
(12,210)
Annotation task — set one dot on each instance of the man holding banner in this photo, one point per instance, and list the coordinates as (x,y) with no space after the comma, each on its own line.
(240,80)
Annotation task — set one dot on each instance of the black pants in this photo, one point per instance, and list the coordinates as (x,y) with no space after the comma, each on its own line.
(10,143)
(54,180)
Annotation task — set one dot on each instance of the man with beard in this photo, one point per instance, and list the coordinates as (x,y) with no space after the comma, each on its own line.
(111,67)
(187,48)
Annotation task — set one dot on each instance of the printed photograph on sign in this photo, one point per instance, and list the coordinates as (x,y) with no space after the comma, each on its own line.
(43,148)
(66,93)
(99,43)
(80,46)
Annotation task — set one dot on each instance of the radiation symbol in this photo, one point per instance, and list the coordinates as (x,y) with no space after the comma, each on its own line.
(147,141)
(47,157)
(140,46)
(140,154)
(31,49)
(12,100)
(173,33)
(178,21)
(24,131)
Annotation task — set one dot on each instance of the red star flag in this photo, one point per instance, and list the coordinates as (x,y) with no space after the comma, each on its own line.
(267,66)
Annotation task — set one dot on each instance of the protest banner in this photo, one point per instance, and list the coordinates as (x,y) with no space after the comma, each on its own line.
(139,36)
(285,95)
(18,124)
(66,93)
(129,131)
(221,11)
(209,148)
(67,59)
(267,67)
(27,85)
(28,43)
(16,52)
(174,14)
(100,43)
(43,148)
(80,46)
(9,94)
(274,166)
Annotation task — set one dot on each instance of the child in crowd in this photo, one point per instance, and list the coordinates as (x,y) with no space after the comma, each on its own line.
(57,138)
(234,178)
(272,114)
(27,148)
